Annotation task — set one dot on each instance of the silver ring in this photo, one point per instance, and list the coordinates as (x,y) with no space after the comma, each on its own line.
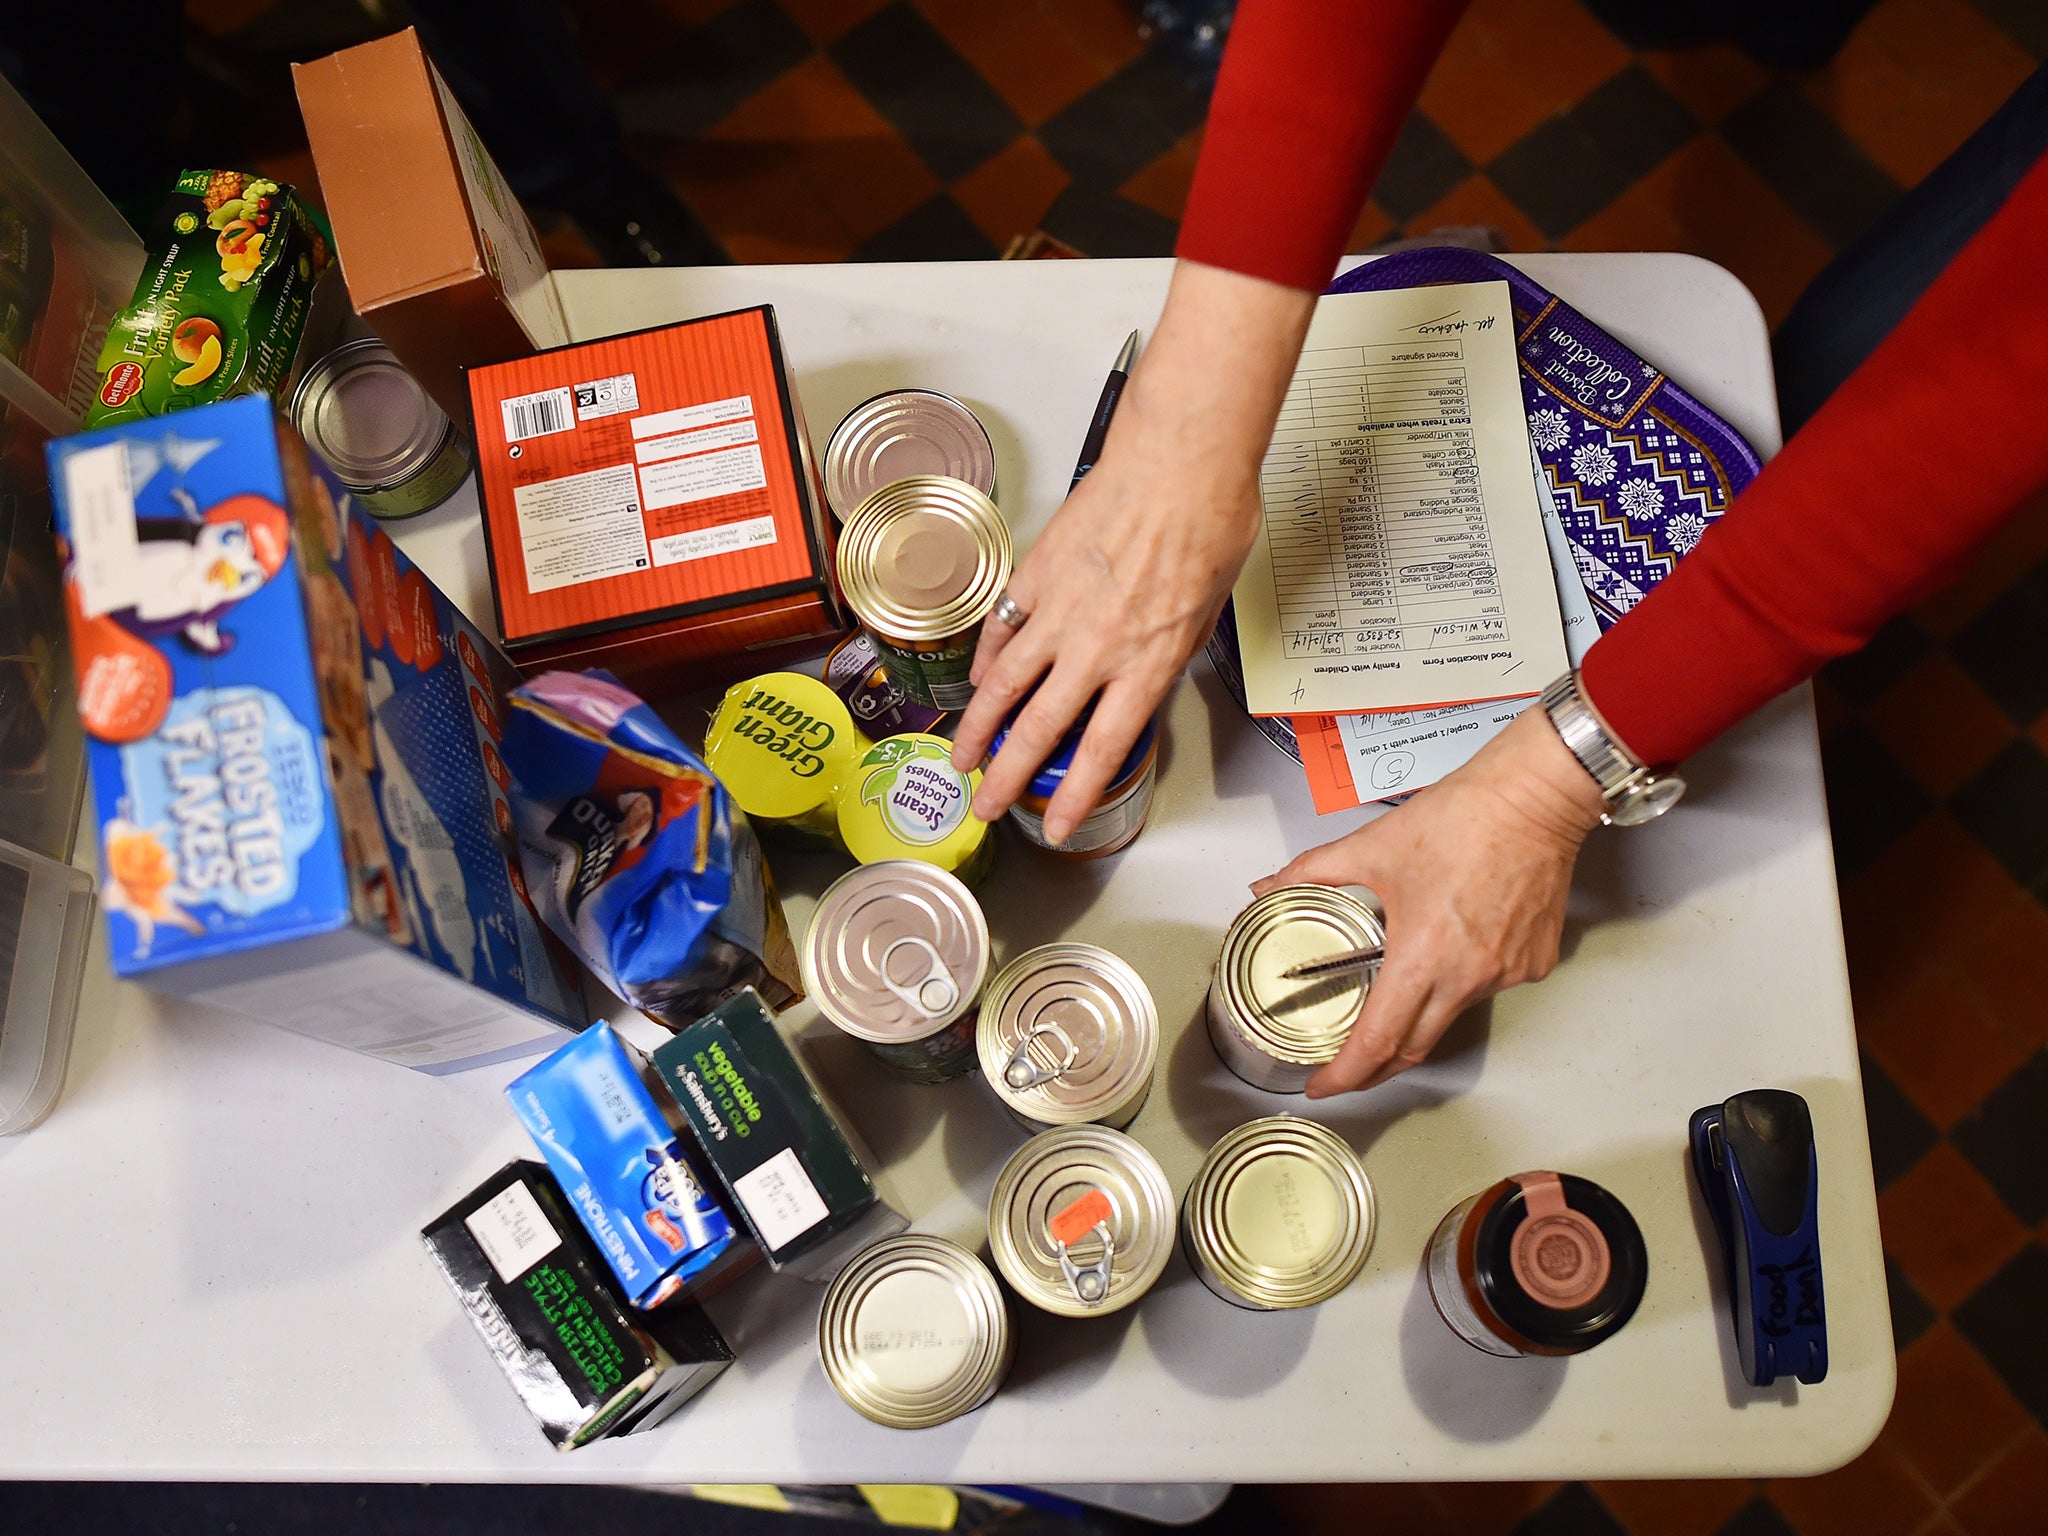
(1007,612)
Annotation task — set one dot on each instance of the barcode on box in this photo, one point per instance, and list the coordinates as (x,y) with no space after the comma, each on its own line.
(780,1200)
(538,415)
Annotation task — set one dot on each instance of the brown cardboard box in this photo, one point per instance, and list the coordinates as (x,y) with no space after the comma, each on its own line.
(438,255)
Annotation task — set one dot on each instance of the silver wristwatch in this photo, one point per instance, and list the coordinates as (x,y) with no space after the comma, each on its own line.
(1634,793)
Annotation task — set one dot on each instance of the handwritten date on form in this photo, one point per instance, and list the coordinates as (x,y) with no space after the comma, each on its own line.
(1402,563)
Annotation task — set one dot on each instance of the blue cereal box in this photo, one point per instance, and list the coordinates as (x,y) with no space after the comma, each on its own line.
(624,1168)
(301,810)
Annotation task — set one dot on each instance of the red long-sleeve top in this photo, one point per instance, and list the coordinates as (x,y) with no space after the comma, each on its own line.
(1876,503)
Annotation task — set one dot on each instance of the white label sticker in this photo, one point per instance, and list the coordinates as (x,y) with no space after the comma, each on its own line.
(652,450)
(101,508)
(607,397)
(703,543)
(538,415)
(780,1200)
(727,473)
(690,417)
(580,528)
(513,1232)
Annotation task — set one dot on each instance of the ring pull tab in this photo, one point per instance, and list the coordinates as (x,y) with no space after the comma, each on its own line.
(1090,1285)
(1021,1072)
(934,994)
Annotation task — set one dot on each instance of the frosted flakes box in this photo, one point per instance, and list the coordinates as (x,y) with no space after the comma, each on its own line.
(301,809)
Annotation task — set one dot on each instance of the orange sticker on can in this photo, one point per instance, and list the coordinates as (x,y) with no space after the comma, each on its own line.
(1074,1222)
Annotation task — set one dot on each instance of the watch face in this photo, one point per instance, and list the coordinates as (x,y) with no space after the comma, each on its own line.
(1646,800)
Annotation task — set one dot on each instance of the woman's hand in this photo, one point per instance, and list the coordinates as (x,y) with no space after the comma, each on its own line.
(1126,581)
(1473,873)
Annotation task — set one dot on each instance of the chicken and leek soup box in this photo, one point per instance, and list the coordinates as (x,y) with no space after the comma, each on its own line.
(301,810)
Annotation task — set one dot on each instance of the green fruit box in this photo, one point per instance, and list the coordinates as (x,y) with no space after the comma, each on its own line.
(221,303)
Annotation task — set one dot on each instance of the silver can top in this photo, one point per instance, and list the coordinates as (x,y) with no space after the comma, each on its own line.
(914,1331)
(924,558)
(1281,1212)
(1304,1022)
(903,433)
(367,417)
(1081,1221)
(1068,1034)
(895,951)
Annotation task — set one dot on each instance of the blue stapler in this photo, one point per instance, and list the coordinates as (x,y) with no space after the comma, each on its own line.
(1755,1162)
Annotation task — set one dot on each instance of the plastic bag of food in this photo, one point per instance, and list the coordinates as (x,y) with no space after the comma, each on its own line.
(637,856)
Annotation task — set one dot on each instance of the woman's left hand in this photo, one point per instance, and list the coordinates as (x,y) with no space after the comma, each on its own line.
(1472,873)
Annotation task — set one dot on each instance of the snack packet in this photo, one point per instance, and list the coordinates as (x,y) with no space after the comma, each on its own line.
(636,855)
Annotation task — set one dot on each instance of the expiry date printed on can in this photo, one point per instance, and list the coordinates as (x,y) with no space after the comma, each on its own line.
(578,528)
(780,1200)
(513,1232)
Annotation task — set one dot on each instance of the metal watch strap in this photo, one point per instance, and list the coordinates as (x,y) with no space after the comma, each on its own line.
(1612,769)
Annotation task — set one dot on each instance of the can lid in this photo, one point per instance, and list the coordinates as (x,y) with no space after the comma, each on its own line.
(914,1331)
(1053,771)
(924,558)
(1081,1220)
(904,799)
(1296,1021)
(903,433)
(1068,1034)
(781,743)
(367,417)
(1281,1211)
(895,951)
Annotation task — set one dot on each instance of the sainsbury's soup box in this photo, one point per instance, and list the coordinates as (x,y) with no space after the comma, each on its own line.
(301,810)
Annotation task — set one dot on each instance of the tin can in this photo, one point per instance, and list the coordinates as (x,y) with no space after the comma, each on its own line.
(1541,1263)
(900,434)
(922,562)
(1271,1032)
(1081,1221)
(879,708)
(904,799)
(914,1331)
(1279,1215)
(895,956)
(1118,817)
(1069,1035)
(378,431)
(781,744)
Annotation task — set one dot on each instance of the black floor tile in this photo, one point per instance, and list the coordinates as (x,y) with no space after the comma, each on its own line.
(1124,124)
(936,99)
(1104,224)
(2007,1319)
(1421,168)
(1891,654)
(1809,161)
(2005,807)
(2024,21)
(720,65)
(1564,172)
(2007,1138)
(1759,1517)
(2005,648)
(1574,1510)
(1911,1315)
(1871,799)
(935,230)
(1899,1134)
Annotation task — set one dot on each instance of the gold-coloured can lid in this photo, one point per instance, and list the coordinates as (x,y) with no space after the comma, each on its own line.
(1304,1022)
(895,950)
(924,559)
(914,1331)
(1281,1213)
(1068,1034)
(1081,1220)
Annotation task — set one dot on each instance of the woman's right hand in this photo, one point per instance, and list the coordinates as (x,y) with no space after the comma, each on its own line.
(1126,581)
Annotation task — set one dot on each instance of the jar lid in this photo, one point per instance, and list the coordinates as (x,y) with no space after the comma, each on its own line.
(1053,771)
(1560,1260)
(901,434)
(904,799)
(1304,1022)
(895,951)
(1281,1212)
(1068,1034)
(924,558)
(781,743)
(1081,1220)
(914,1331)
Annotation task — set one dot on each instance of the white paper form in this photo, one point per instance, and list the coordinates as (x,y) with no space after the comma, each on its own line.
(1402,563)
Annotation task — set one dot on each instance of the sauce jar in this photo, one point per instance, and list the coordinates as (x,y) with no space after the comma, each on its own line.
(904,799)
(1118,817)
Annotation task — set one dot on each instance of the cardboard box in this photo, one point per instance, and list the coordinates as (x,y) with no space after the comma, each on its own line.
(438,255)
(301,812)
(588,1365)
(651,507)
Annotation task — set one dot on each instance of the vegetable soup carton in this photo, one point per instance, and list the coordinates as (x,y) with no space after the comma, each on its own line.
(301,810)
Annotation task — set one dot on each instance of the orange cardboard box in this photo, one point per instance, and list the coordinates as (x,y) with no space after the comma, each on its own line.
(437,253)
(651,506)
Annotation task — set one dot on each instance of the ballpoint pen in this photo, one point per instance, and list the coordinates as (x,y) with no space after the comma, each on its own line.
(1105,408)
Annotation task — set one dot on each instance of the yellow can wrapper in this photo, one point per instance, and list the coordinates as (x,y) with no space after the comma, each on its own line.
(783,744)
(904,799)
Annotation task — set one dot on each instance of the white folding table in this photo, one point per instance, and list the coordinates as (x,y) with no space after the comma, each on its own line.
(212,1262)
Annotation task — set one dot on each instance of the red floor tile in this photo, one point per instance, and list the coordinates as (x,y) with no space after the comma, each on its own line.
(1488,1509)
(2006,962)
(1039,58)
(1712,80)
(2020,544)
(1009,193)
(1932,890)
(1875,1495)
(826,21)
(1952,1416)
(1941,1044)
(1675,1508)
(1947,1227)
(1511,65)
(2012,1498)
(1163,185)
(1939,724)
(1476,200)
(1370,227)
(1347,1509)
